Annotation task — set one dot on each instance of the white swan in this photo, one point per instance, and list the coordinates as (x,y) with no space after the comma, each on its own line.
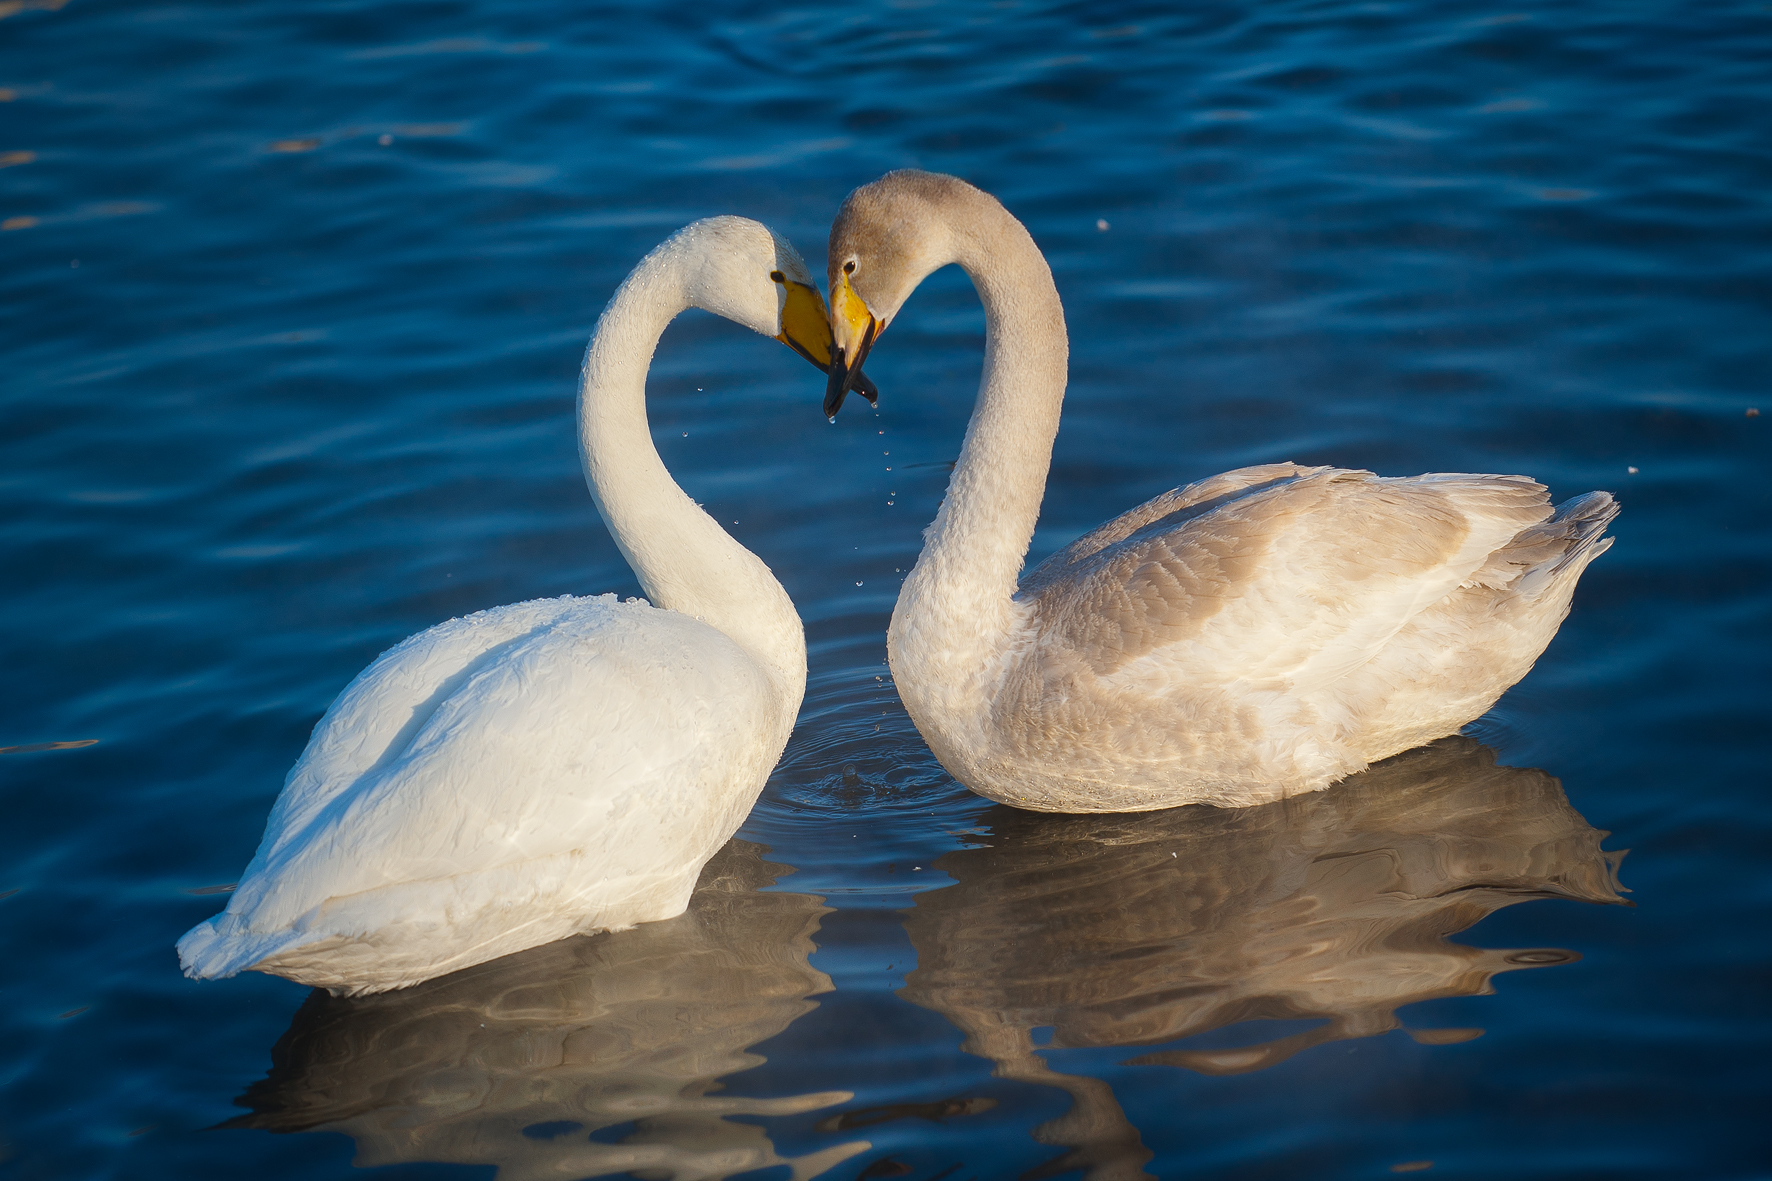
(557,766)
(1252,636)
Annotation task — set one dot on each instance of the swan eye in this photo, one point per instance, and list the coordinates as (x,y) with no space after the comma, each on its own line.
(778,276)
(849,267)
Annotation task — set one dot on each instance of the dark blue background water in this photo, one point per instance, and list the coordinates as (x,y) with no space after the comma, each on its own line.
(294,297)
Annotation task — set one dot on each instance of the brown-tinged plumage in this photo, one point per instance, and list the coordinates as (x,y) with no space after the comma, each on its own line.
(1251,636)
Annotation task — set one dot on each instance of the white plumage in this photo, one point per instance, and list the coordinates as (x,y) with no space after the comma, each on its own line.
(557,766)
(1252,636)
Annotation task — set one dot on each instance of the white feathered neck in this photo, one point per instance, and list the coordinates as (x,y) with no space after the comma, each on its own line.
(684,560)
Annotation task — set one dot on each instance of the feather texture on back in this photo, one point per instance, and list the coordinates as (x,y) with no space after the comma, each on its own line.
(1317,615)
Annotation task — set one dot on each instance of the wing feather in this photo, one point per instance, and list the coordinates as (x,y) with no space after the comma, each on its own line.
(1273,574)
(560,706)
(1172,508)
(378,713)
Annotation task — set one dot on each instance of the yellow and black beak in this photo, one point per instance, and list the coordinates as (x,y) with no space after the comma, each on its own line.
(854,332)
(806,329)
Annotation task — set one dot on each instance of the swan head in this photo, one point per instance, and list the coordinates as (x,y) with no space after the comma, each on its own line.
(743,270)
(888,237)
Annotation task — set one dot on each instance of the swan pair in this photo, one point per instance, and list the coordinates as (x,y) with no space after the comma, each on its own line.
(568,765)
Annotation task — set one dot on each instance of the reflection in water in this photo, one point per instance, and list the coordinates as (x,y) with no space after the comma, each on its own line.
(1140,929)
(520,1062)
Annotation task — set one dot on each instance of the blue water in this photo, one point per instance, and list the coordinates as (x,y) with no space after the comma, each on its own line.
(294,297)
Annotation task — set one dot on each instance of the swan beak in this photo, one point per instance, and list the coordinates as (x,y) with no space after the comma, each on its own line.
(854,331)
(806,329)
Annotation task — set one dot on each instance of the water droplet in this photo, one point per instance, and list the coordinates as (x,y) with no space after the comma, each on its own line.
(1631,470)
(1101,224)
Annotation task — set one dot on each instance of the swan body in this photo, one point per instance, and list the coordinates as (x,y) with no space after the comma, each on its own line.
(557,766)
(1249,637)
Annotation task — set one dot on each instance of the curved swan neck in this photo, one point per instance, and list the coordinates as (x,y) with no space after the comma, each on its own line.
(962,586)
(684,560)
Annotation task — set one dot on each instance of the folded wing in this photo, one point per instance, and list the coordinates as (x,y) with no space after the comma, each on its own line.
(583,746)
(1275,576)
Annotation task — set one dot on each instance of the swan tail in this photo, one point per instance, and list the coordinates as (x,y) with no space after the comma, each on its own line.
(1556,549)
(218,948)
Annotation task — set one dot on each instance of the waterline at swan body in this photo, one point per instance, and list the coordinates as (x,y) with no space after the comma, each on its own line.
(1249,637)
(560,766)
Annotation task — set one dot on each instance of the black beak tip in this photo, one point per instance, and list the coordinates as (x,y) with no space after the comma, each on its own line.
(843,377)
(865,386)
(837,384)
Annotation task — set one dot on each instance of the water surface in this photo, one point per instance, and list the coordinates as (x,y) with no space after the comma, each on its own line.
(295,297)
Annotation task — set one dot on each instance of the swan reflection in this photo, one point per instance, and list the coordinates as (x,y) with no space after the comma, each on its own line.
(1143,929)
(580,1058)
